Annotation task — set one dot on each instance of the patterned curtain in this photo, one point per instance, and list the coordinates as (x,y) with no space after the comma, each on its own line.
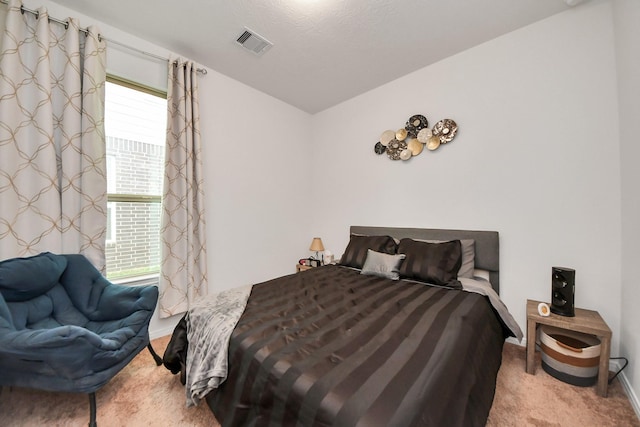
(52,149)
(183,277)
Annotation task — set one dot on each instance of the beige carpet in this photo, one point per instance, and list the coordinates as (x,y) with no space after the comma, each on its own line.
(146,395)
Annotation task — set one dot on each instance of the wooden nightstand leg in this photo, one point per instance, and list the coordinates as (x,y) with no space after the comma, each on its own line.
(603,373)
(531,346)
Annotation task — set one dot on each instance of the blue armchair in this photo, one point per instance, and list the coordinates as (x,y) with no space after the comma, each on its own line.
(64,327)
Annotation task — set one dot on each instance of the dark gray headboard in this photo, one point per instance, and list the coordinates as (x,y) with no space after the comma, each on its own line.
(486,244)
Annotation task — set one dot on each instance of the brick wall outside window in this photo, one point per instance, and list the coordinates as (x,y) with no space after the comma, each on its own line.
(133,247)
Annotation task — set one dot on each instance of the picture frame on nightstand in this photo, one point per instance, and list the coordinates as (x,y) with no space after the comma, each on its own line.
(311,262)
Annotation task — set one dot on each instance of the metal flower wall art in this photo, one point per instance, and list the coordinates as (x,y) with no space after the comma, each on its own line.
(411,140)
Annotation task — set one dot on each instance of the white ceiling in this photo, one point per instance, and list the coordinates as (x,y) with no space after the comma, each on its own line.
(325,51)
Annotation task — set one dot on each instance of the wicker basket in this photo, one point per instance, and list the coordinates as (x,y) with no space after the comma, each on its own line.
(572,357)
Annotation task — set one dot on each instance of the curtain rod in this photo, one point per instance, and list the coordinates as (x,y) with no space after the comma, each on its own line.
(202,71)
(23,9)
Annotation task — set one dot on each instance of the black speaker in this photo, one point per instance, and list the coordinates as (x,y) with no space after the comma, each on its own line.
(563,287)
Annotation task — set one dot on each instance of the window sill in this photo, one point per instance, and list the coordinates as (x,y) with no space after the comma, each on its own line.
(152,279)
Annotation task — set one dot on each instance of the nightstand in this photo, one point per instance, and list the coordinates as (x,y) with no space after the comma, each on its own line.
(585,321)
(300,267)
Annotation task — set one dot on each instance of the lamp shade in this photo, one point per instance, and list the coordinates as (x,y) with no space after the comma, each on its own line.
(316,245)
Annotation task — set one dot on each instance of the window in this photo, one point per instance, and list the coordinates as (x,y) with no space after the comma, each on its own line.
(135,127)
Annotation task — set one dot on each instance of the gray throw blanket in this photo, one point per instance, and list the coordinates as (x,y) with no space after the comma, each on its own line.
(209,326)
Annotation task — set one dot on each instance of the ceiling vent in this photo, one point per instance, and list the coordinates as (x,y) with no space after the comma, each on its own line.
(254,42)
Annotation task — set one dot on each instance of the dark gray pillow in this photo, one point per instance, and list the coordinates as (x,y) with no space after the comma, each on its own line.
(468,256)
(436,263)
(356,252)
(384,265)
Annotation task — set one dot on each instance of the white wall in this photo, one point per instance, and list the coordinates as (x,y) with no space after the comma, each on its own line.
(536,157)
(627,32)
(257,162)
(257,159)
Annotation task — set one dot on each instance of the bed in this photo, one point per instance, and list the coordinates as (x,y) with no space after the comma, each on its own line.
(332,346)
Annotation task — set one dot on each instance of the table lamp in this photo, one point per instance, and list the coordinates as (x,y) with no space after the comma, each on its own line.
(317,246)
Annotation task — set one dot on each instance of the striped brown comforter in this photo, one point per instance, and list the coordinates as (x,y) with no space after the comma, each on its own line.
(330,346)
